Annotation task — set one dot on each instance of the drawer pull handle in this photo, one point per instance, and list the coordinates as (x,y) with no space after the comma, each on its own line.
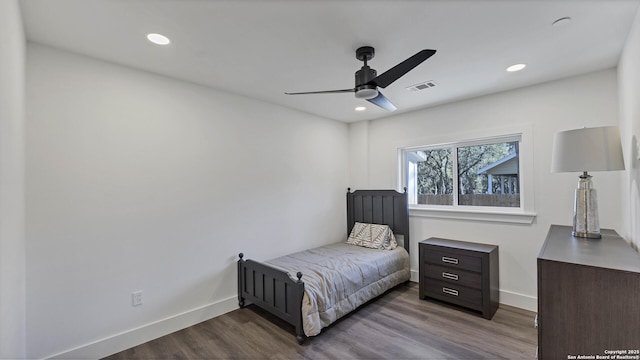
(449,260)
(450,291)
(450,276)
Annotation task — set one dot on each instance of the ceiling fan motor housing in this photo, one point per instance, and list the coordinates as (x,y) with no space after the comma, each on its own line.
(364,75)
(363,89)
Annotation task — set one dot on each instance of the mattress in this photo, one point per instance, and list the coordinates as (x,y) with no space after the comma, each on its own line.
(340,277)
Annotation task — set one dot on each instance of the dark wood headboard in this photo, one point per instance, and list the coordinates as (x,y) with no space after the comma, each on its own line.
(387,207)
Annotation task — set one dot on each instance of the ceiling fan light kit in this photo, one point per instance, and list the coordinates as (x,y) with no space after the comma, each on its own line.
(367,81)
(366,92)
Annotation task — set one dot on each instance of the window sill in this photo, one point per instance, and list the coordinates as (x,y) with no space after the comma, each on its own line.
(473,215)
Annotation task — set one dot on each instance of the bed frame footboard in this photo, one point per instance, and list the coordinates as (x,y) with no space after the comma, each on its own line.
(272,290)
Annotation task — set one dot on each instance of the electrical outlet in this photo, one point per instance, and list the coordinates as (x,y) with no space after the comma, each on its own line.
(136,298)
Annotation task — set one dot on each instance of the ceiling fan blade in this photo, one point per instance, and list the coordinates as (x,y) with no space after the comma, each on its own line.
(383,80)
(383,102)
(322,92)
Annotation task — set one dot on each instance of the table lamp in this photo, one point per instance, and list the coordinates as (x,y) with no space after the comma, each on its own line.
(584,150)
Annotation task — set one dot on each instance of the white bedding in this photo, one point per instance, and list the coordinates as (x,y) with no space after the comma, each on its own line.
(340,277)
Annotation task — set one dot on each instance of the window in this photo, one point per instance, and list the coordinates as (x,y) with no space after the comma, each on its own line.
(476,173)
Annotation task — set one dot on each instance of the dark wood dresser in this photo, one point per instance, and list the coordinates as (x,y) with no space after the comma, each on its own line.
(588,296)
(460,273)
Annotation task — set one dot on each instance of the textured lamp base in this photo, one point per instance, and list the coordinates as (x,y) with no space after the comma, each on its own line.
(585,210)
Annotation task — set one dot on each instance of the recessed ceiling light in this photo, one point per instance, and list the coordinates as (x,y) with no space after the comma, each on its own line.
(158,39)
(516,67)
(562,21)
(361,108)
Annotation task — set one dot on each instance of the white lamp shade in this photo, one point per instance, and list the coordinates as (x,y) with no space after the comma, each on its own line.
(588,149)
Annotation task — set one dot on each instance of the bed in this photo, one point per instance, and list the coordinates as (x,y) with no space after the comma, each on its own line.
(313,288)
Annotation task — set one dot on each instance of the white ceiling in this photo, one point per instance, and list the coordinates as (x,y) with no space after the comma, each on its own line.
(263,48)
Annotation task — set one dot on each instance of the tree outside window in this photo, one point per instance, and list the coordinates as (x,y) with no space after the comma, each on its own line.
(483,174)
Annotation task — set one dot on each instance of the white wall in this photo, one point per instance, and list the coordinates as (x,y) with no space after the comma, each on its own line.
(358,150)
(12,230)
(588,100)
(141,182)
(629,85)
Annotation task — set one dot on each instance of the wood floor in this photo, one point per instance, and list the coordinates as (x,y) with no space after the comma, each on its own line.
(396,325)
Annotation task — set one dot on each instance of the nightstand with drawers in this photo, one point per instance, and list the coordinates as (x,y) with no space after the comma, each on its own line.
(461,273)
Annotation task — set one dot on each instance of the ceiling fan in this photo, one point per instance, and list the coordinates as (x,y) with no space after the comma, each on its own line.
(367,83)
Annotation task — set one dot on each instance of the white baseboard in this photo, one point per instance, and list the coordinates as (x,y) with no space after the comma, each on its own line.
(518,300)
(506,297)
(130,338)
(415,276)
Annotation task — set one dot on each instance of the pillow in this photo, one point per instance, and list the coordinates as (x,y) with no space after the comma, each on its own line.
(388,240)
(372,236)
(391,243)
(359,234)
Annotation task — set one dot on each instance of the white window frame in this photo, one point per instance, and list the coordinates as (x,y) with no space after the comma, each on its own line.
(523,214)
